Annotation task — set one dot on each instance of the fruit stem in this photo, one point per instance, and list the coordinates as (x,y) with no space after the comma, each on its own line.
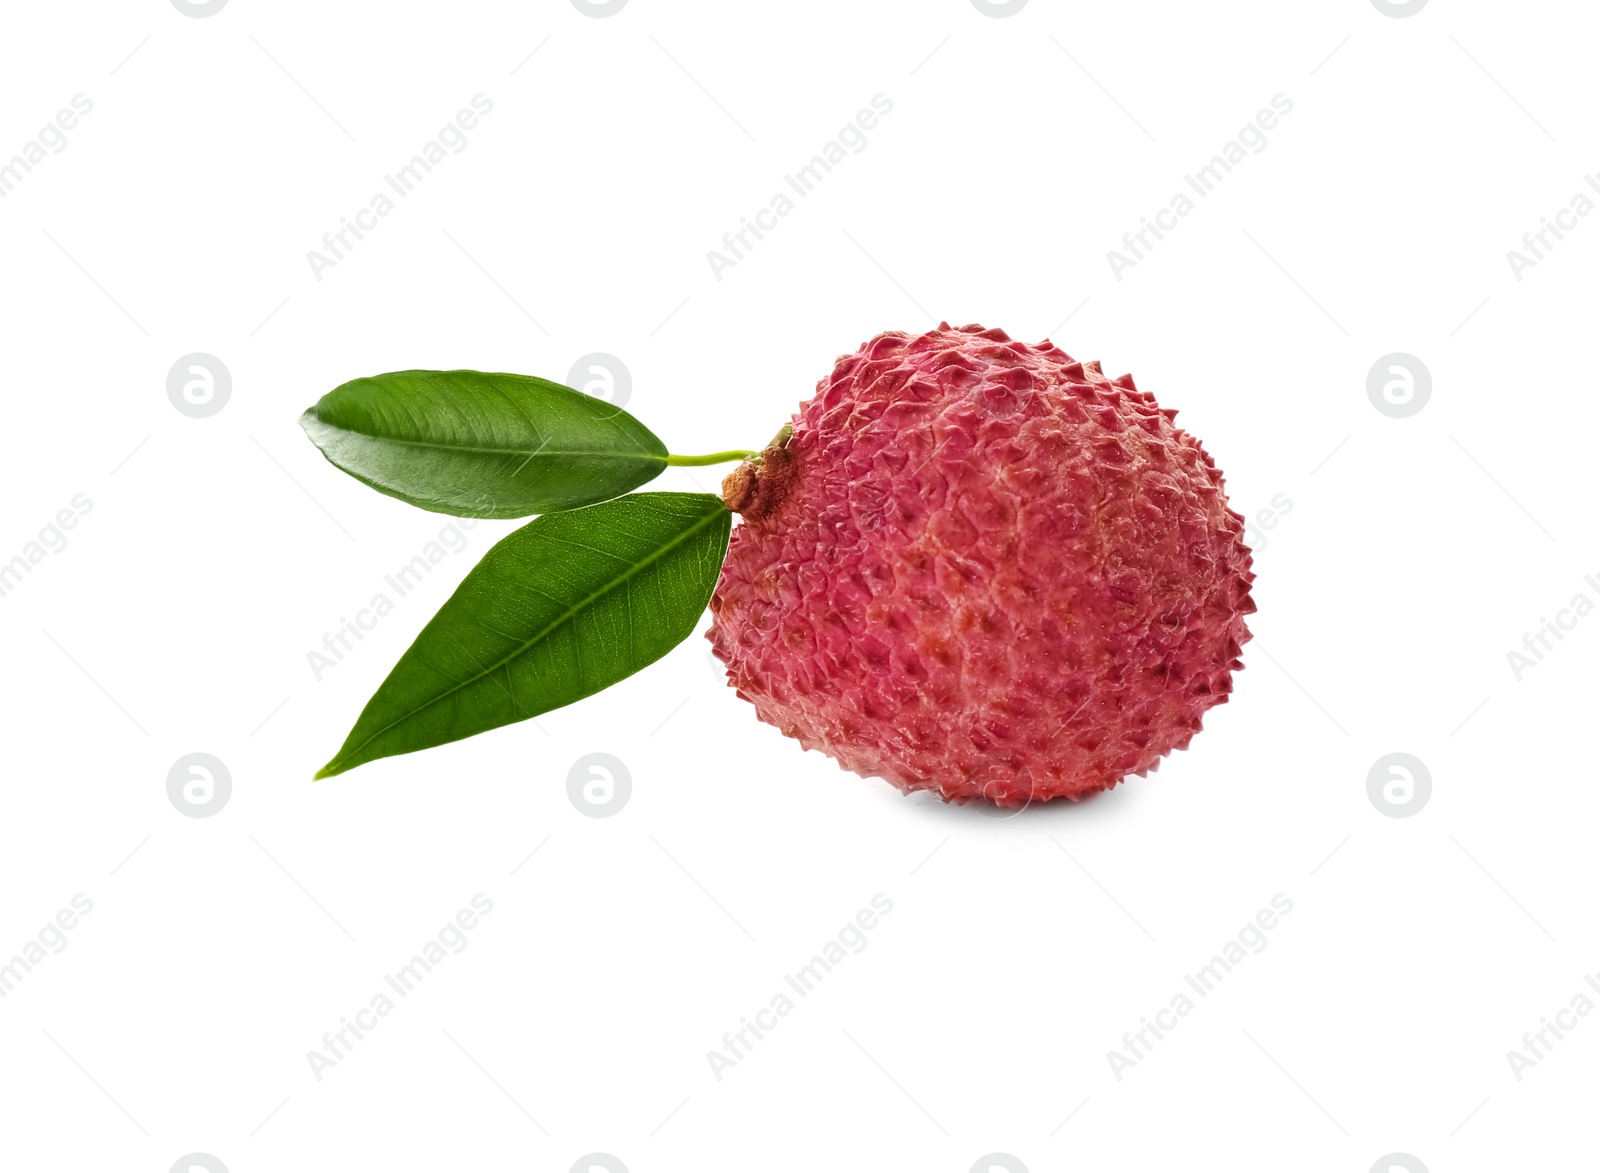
(711,458)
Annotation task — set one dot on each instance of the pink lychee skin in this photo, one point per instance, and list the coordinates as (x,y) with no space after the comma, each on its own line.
(983,569)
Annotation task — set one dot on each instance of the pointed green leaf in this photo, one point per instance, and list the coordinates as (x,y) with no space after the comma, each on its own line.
(482,445)
(566,606)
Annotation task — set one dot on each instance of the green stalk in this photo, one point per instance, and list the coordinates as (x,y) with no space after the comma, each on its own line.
(712,458)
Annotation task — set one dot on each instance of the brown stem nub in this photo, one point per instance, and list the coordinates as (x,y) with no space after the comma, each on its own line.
(758,486)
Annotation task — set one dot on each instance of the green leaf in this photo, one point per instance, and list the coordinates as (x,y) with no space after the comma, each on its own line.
(481,445)
(567,605)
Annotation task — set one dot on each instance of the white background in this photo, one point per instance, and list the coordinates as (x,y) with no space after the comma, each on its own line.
(218,551)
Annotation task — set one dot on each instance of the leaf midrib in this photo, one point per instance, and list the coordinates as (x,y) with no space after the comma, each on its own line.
(635,454)
(565,617)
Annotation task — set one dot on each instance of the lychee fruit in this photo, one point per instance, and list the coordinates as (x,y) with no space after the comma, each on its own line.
(980,568)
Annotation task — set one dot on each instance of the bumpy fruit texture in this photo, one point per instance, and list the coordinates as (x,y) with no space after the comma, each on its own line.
(981,568)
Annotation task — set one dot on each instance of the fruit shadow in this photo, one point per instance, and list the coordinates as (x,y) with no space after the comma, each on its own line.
(1100,806)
